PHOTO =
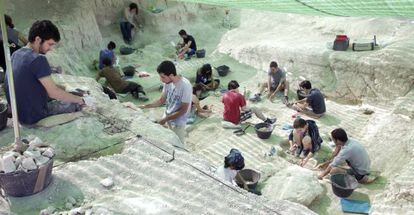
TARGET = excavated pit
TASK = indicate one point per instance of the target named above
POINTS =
(103, 143)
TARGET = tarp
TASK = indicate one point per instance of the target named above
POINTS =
(351, 8)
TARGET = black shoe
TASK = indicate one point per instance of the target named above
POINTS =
(286, 100)
(270, 121)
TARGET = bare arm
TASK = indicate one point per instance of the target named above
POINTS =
(302, 101)
(305, 160)
(325, 172)
(22, 38)
(199, 109)
(98, 76)
(269, 84)
(280, 85)
(335, 152)
(157, 103)
(55, 92)
(186, 47)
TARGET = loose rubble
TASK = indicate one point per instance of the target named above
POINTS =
(35, 156)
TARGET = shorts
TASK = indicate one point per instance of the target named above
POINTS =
(357, 176)
(245, 115)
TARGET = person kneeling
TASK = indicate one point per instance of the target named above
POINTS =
(115, 81)
(304, 139)
(354, 154)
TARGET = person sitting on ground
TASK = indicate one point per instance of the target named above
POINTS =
(234, 102)
(196, 107)
(188, 47)
(354, 154)
(205, 77)
(13, 35)
(233, 163)
(15, 39)
(32, 78)
(107, 53)
(314, 103)
(304, 139)
(276, 82)
(115, 81)
(129, 22)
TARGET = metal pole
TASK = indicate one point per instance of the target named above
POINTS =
(10, 78)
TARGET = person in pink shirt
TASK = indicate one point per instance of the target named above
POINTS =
(236, 109)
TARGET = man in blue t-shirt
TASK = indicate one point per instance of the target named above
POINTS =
(107, 53)
(313, 104)
(32, 81)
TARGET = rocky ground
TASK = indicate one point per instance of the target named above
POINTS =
(103, 143)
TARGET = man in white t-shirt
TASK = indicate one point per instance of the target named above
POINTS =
(177, 95)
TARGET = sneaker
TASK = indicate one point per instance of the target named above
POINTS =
(272, 151)
(142, 97)
(367, 179)
(270, 121)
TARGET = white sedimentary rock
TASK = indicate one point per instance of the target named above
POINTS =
(295, 184)
(7, 163)
(32, 154)
(18, 160)
(107, 182)
(41, 160)
(48, 211)
(29, 164)
(49, 153)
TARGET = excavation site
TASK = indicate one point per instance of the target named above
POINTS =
(206, 107)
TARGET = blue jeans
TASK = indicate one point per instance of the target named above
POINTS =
(126, 29)
(190, 52)
(55, 107)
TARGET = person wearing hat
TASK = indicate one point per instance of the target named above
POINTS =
(233, 163)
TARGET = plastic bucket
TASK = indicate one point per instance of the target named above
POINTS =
(223, 70)
(250, 177)
(126, 50)
(201, 53)
(21, 183)
(343, 184)
(3, 116)
(263, 130)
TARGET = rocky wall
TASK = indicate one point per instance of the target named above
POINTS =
(303, 44)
